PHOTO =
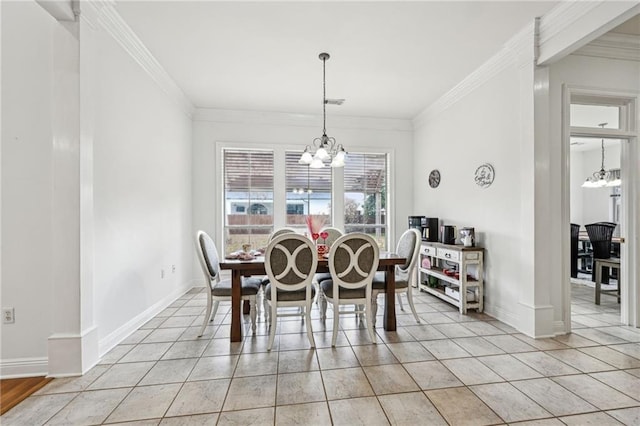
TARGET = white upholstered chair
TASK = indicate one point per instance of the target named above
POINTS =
(409, 248)
(221, 289)
(290, 261)
(353, 261)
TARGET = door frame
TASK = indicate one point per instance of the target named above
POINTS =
(630, 220)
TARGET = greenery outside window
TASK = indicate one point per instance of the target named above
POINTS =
(365, 195)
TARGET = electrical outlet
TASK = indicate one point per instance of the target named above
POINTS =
(161, 274)
(173, 269)
(8, 315)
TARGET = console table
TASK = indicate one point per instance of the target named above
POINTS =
(464, 290)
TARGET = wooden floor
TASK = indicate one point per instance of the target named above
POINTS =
(13, 391)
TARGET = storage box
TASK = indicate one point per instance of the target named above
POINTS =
(454, 292)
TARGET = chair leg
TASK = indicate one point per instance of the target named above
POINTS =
(308, 321)
(336, 316)
(207, 314)
(400, 301)
(322, 305)
(252, 313)
(413, 308)
(368, 313)
(265, 307)
(374, 308)
(274, 324)
(215, 310)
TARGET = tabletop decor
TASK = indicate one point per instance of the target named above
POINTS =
(314, 225)
(484, 175)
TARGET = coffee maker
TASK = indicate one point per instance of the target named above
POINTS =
(416, 222)
(427, 226)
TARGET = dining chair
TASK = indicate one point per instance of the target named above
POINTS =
(220, 290)
(290, 261)
(265, 280)
(601, 235)
(575, 231)
(409, 248)
(353, 261)
(280, 231)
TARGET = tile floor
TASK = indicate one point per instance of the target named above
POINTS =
(450, 369)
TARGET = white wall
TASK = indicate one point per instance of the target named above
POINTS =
(142, 192)
(26, 180)
(141, 185)
(294, 131)
(482, 127)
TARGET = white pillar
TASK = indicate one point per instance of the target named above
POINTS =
(73, 346)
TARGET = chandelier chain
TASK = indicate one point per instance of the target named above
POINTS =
(324, 97)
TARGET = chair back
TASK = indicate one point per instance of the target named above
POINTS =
(353, 261)
(409, 248)
(290, 261)
(208, 256)
(334, 234)
(281, 231)
(600, 235)
(575, 231)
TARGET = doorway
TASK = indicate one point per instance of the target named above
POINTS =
(604, 118)
(595, 197)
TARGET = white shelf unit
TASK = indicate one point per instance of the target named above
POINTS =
(466, 291)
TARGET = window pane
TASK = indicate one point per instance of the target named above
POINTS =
(248, 194)
(593, 115)
(365, 190)
(308, 191)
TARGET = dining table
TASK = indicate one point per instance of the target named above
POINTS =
(240, 268)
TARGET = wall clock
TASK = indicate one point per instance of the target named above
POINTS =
(434, 178)
(485, 175)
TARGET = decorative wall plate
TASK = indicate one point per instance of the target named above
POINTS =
(485, 175)
(434, 178)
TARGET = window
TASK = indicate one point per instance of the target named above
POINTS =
(308, 191)
(365, 190)
(251, 179)
(248, 198)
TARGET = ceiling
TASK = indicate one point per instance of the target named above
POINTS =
(388, 59)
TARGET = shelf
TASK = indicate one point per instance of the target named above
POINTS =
(439, 273)
(441, 294)
(441, 258)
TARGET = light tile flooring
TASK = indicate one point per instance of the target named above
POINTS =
(450, 369)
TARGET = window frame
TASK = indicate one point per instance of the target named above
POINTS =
(279, 197)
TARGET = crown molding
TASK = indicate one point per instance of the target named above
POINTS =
(563, 15)
(571, 25)
(613, 46)
(299, 120)
(102, 13)
(519, 50)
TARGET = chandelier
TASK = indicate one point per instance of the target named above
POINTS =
(601, 177)
(325, 147)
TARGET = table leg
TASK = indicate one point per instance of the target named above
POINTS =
(598, 271)
(390, 299)
(236, 313)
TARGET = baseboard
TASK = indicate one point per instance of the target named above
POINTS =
(559, 328)
(117, 336)
(73, 354)
(23, 367)
(502, 315)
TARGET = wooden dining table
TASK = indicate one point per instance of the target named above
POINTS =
(240, 268)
